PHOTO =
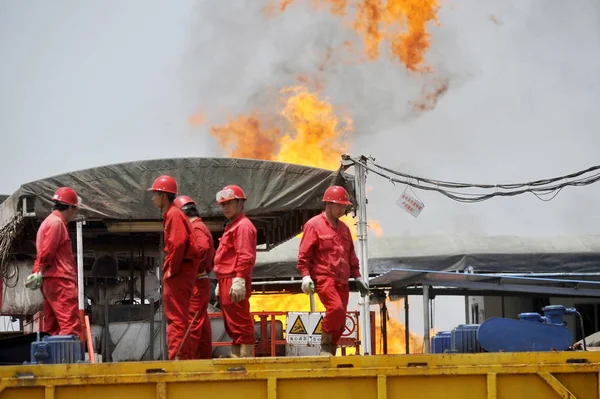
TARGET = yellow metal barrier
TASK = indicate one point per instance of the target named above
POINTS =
(573, 375)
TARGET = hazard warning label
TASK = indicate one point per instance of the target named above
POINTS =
(305, 328)
(297, 329)
(298, 326)
(319, 327)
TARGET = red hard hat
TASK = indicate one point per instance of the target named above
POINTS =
(230, 192)
(182, 201)
(337, 195)
(165, 184)
(66, 195)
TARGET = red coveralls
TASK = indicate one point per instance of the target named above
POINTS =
(181, 259)
(327, 255)
(200, 337)
(59, 287)
(235, 257)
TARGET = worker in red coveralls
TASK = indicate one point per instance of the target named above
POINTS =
(54, 269)
(200, 335)
(326, 260)
(180, 267)
(234, 264)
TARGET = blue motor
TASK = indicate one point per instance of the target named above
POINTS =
(554, 313)
(532, 332)
(57, 349)
(441, 342)
(464, 339)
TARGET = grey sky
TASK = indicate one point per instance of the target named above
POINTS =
(87, 84)
(84, 84)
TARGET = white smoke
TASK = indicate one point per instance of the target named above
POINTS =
(521, 103)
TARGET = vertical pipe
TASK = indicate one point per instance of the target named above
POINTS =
(363, 255)
(467, 309)
(79, 230)
(426, 321)
(384, 314)
(143, 263)
(313, 307)
(163, 321)
(406, 326)
(131, 272)
(80, 280)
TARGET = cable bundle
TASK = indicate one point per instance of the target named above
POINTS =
(448, 188)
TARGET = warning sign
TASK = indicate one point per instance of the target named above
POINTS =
(297, 328)
(350, 329)
(319, 327)
(305, 328)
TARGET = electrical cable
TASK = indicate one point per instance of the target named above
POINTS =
(537, 187)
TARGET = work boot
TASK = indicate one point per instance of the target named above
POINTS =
(235, 350)
(326, 346)
(247, 350)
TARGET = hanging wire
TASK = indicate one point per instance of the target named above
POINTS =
(538, 188)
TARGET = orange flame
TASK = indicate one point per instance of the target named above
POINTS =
(402, 23)
(309, 132)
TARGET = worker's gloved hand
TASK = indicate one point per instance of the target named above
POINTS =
(363, 287)
(34, 281)
(308, 287)
(217, 290)
(237, 293)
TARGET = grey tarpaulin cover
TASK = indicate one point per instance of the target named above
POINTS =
(119, 191)
(569, 254)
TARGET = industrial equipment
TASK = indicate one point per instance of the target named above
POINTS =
(531, 332)
(57, 349)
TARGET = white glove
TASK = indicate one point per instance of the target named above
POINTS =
(308, 287)
(363, 288)
(237, 293)
(217, 290)
(34, 281)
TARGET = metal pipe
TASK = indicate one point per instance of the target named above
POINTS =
(582, 331)
(384, 317)
(312, 303)
(163, 321)
(299, 282)
(131, 274)
(80, 287)
(426, 320)
(360, 178)
(467, 309)
(406, 326)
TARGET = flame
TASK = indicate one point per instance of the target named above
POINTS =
(308, 132)
(400, 23)
(248, 137)
(396, 335)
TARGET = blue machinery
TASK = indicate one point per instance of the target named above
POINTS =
(532, 332)
(57, 349)
(403, 282)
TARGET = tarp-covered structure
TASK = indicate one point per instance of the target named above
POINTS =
(485, 254)
(118, 192)
(122, 221)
